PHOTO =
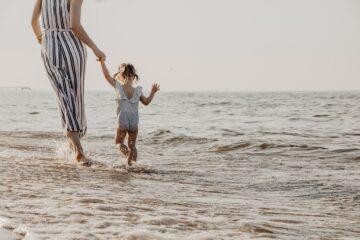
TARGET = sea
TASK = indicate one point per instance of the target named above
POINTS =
(212, 165)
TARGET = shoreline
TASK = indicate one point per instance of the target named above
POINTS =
(7, 234)
(9, 231)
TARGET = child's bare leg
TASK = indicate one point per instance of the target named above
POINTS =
(132, 145)
(119, 141)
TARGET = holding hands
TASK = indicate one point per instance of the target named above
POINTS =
(111, 79)
(101, 57)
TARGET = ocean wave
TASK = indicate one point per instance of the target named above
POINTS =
(300, 146)
(287, 134)
(142, 235)
(161, 132)
(299, 119)
(147, 235)
(34, 113)
(221, 103)
(31, 135)
(261, 146)
(255, 228)
(168, 137)
(321, 115)
(309, 118)
(231, 147)
(352, 134)
(345, 150)
(101, 137)
(29, 148)
(187, 139)
(144, 169)
(232, 133)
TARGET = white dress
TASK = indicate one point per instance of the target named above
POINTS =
(127, 109)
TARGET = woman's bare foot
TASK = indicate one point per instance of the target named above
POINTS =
(71, 146)
(74, 139)
(80, 158)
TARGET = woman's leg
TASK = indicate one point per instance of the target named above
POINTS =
(71, 146)
(119, 141)
(74, 138)
(132, 145)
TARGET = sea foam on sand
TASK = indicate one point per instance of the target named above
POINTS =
(9, 230)
(141, 235)
(5, 229)
(145, 235)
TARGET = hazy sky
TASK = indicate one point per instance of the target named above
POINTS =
(203, 44)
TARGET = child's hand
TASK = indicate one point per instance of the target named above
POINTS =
(100, 56)
(155, 88)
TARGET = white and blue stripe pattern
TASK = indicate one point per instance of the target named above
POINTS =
(64, 57)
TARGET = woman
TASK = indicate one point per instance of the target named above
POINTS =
(64, 56)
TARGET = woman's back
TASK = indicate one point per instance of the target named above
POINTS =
(55, 14)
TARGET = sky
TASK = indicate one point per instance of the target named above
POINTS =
(202, 45)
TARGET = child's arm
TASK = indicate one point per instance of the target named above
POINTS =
(107, 75)
(147, 100)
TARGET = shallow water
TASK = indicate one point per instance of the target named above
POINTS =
(211, 166)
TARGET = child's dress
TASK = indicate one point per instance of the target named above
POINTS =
(127, 109)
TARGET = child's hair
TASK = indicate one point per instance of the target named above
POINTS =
(127, 70)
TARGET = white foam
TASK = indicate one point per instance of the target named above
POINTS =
(63, 151)
(142, 235)
(21, 230)
(201, 236)
(5, 222)
(15, 229)
(14, 153)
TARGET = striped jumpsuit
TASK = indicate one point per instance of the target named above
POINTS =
(64, 57)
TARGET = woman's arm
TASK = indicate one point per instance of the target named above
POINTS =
(147, 100)
(77, 28)
(107, 75)
(35, 20)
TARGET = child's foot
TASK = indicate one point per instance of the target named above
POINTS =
(123, 149)
(129, 162)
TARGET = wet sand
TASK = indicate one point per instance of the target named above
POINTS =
(7, 235)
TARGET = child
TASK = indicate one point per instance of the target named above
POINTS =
(128, 99)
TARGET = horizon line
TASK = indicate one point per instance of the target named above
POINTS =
(26, 88)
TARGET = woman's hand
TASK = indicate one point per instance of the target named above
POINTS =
(35, 21)
(39, 39)
(99, 54)
(155, 88)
